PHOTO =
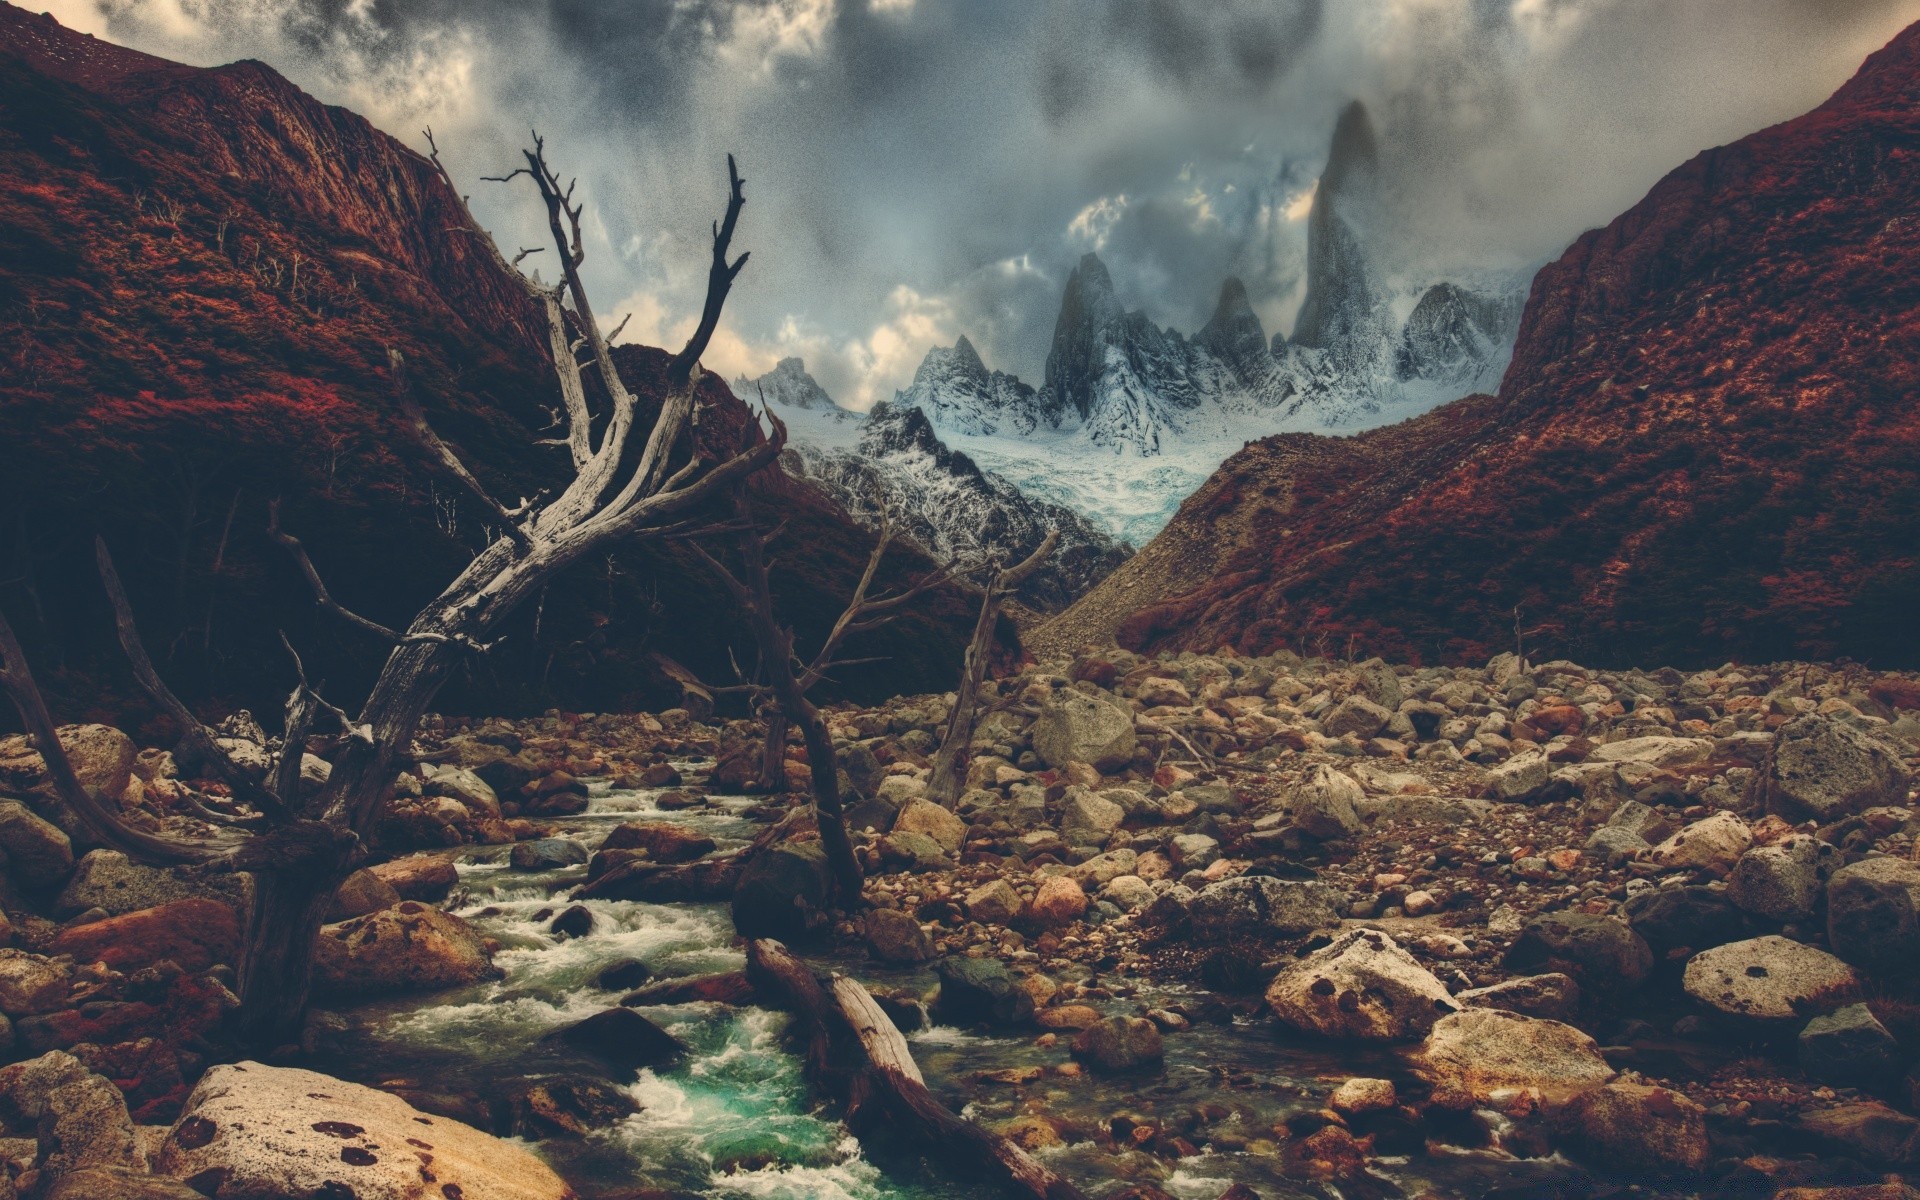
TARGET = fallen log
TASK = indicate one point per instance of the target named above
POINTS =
(855, 1050)
(723, 987)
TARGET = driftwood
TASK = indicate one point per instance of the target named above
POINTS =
(855, 1051)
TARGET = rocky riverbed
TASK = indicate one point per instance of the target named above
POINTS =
(1199, 926)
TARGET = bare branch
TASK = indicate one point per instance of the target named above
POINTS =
(92, 812)
(417, 418)
(193, 735)
(320, 593)
(720, 276)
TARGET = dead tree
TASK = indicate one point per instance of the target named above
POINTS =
(862, 614)
(950, 760)
(785, 682)
(626, 481)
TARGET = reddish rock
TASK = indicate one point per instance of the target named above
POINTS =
(663, 841)
(427, 877)
(194, 933)
(1058, 901)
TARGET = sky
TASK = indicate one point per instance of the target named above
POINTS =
(921, 169)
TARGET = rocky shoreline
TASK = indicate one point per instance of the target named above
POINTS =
(1665, 924)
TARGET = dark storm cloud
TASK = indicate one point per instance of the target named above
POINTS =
(918, 169)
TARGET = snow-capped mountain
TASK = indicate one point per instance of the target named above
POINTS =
(787, 384)
(1130, 416)
(890, 463)
(958, 391)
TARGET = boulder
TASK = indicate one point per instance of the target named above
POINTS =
(1867, 1130)
(425, 877)
(327, 1137)
(547, 854)
(1784, 880)
(362, 893)
(1158, 691)
(782, 892)
(407, 948)
(1520, 777)
(1476, 1052)
(101, 755)
(1323, 805)
(80, 1118)
(193, 933)
(1361, 986)
(1655, 751)
(1873, 914)
(38, 854)
(894, 936)
(466, 787)
(1692, 918)
(1193, 851)
(109, 880)
(1552, 996)
(1822, 768)
(980, 991)
(1078, 727)
(1262, 904)
(1128, 892)
(1638, 1130)
(1768, 978)
(1610, 844)
(1358, 716)
(1102, 867)
(914, 852)
(1058, 901)
(1088, 819)
(31, 984)
(1120, 1044)
(1849, 1048)
(1603, 954)
(622, 1037)
(664, 841)
(1359, 1096)
(575, 920)
(993, 903)
(1716, 843)
(940, 824)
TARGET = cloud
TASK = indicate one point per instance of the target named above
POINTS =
(917, 169)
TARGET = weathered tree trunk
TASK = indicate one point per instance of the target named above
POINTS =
(856, 1052)
(753, 591)
(949, 772)
(276, 967)
(773, 753)
(301, 849)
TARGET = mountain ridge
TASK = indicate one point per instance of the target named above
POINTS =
(1706, 445)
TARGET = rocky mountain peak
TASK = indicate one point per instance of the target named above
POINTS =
(1342, 311)
(966, 358)
(1353, 157)
(1234, 333)
(1073, 362)
(789, 384)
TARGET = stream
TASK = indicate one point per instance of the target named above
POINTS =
(734, 1118)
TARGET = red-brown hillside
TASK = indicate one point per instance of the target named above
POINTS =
(1707, 446)
(201, 275)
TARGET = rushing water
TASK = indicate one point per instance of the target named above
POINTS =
(734, 1118)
